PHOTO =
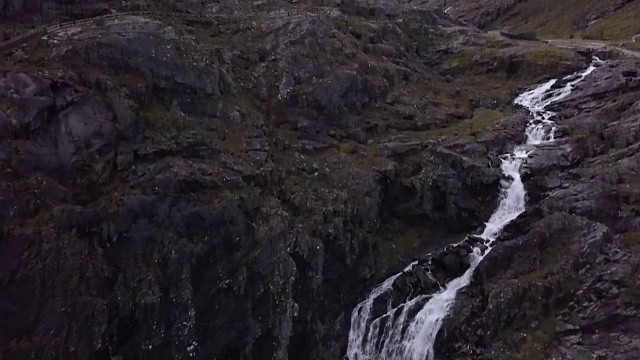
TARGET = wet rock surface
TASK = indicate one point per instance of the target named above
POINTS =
(560, 284)
(431, 273)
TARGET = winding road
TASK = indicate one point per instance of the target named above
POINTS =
(590, 44)
(575, 44)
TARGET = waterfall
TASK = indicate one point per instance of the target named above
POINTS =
(408, 331)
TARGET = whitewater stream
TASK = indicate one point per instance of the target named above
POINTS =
(408, 331)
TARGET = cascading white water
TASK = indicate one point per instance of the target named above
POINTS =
(397, 335)
(541, 128)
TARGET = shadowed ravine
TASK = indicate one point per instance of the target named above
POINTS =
(409, 330)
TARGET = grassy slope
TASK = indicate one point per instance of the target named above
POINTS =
(621, 25)
(614, 20)
(554, 18)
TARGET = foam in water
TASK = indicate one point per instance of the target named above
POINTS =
(400, 335)
(541, 128)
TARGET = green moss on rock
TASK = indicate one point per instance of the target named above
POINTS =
(631, 239)
(359, 27)
(36, 223)
(538, 343)
(347, 147)
(157, 117)
(5, 104)
(483, 120)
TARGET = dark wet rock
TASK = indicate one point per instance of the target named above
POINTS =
(545, 166)
(556, 156)
(186, 224)
(511, 133)
(398, 148)
(473, 188)
(429, 274)
(30, 97)
(608, 81)
(539, 276)
(474, 150)
(522, 224)
(346, 91)
(195, 87)
(561, 264)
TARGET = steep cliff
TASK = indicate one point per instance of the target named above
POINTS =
(230, 187)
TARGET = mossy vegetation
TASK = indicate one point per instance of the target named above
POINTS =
(5, 104)
(631, 239)
(539, 341)
(219, 31)
(245, 105)
(571, 18)
(233, 141)
(543, 56)
(621, 25)
(409, 239)
(36, 223)
(159, 118)
(546, 17)
(214, 196)
(371, 161)
(209, 196)
(37, 57)
(405, 242)
(492, 42)
(347, 147)
(358, 27)
(420, 33)
(549, 18)
(584, 140)
(40, 54)
(634, 46)
(111, 202)
(127, 79)
(509, 67)
(633, 291)
(632, 284)
(462, 58)
(483, 120)
(22, 347)
(532, 280)
(310, 225)
(534, 277)
(19, 27)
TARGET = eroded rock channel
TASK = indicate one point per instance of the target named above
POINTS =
(408, 327)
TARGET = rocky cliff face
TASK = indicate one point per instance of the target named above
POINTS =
(26, 11)
(562, 283)
(230, 188)
(54, 11)
(214, 190)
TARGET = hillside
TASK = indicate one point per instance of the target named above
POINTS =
(230, 186)
(595, 19)
(227, 180)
